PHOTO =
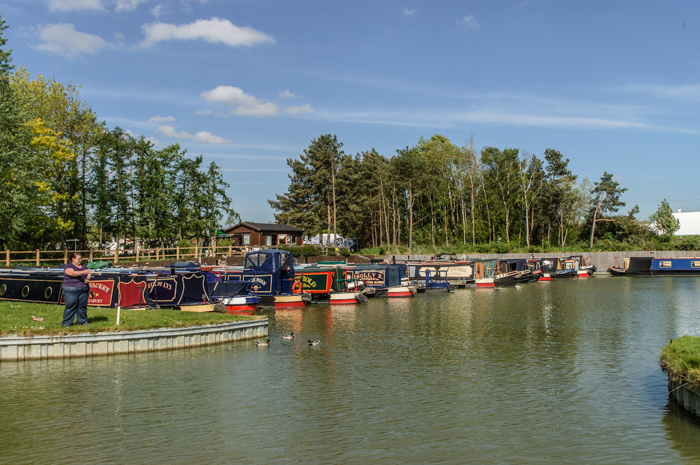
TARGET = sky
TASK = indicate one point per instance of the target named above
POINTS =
(613, 86)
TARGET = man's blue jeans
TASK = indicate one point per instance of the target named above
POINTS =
(76, 299)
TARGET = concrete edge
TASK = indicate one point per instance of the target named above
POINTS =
(109, 343)
(686, 396)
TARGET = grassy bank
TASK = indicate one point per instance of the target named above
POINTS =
(16, 318)
(681, 359)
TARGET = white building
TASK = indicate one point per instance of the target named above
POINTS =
(690, 223)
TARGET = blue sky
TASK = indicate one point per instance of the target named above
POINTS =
(614, 86)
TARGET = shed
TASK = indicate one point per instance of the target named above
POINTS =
(264, 234)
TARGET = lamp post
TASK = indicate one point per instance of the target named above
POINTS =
(500, 250)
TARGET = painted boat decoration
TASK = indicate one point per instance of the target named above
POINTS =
(330, 284)
(387, 280)
(460, 274)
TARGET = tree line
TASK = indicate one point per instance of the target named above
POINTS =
(65, 174)
(439, 195)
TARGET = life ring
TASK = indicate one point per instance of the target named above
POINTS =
(296, 288)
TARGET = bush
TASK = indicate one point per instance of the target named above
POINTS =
(382, 250)
(184, 243)
(344, 251)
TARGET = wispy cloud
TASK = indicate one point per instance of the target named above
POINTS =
(408, 12)
(245, 104)
(63, 39)
(285, 94)
(213, 30)
(469, 22)
(299, 109)
(683, 92)
(160, 119)
(127, 5)
(159, 9)
(203, 112)
(202, 136)
(75, 5)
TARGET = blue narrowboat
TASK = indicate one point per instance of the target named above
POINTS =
(675, 266)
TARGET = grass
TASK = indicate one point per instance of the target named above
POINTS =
(681, 359)
(16, 318)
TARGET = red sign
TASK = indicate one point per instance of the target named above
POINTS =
(101, 293)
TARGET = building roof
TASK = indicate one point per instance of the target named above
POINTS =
(690, 223)
(265, 227)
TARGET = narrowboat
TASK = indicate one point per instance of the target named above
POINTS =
(568, 269)
(460, 274)
(272, 278)
(107, 288)
(517, 265)
(633, 266)
(675, 266)
(436, 281)
(585, 268)
(548, 266)
(234, 294)
(533, 264)
(484, 272)
(328, 284)
(386, 279)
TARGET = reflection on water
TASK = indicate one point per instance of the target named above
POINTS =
(559, 372)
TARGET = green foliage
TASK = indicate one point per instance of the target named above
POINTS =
(664, 221)
(16, 318)
(681, 359)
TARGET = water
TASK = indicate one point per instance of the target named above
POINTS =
(560, 372)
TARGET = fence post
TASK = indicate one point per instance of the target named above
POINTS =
(157, 252)
(7, 257)
(116, 254)
(90, 254)
(177, 252)
(37, 257)
(65, 256)
(137, 254)
(196, 251)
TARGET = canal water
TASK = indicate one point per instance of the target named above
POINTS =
(559, 372)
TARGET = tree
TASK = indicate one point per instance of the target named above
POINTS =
(607, 197)
(17, 189)
(664, 221)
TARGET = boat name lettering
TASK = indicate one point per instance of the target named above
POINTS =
(100, 287)
(309, 281)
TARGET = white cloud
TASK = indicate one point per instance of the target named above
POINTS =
(209, 138)
(203, 112)
(64, 40)
(468, 22)
(300, 109)
(127, 5)
(408, 12)
(70, 5)
(160, 119)
(202, 136)
(159, 9)
(245, 104)
(683, 93)
(285, 95)
(212, 30)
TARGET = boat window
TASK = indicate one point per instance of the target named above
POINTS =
(695, 264)
(254, 260)
(284, 258)
(665, 264)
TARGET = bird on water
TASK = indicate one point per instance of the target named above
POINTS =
(288, 336)
(314, 343)
(263, 344)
